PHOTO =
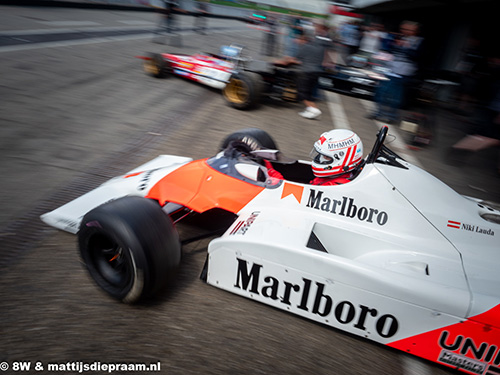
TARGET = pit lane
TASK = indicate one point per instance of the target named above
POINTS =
(76, 116)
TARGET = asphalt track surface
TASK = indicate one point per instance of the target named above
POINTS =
(78, 111)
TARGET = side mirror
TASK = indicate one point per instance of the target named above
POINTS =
(271, 155)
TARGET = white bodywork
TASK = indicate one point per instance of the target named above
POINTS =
(410, 271)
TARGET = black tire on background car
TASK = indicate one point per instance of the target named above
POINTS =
(254, 138)
(130, 247)
(244, 90)
(157, 66)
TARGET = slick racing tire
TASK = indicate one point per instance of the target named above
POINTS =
(254, 138)
(157, 66)
(244, 90)
(130, 248)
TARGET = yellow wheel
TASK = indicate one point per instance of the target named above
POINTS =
(236, 91)
(244, 89)
(157, 66)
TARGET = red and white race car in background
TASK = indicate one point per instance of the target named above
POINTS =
(244, 81)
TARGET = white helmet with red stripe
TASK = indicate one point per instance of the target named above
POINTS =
(336, 152)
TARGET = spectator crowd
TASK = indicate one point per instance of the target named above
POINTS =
(398, 54)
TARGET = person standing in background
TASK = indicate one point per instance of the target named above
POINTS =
(371, 41)
(403, 68)
(269, 45)
(295, 29)
(200, 21)
(167, 20)
(310, 57)
(350, 36)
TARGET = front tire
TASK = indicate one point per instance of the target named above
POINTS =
(244, 90)
(130, 248)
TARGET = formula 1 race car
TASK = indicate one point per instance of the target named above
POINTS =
(394, 256)
(353, 81)
(243, 81)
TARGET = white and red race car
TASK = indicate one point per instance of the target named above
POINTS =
(244, 81)
(394, 256)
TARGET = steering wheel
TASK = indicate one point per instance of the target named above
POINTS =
(377, 147)
(382, 154)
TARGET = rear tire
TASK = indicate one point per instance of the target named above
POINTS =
(254, 138)
(157, 66)
(130, 248)
(244, 90)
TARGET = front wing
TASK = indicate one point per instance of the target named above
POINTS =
(136, 182)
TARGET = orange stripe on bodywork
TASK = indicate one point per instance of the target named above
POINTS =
(132, 174)
(477, 338)
(199, 187)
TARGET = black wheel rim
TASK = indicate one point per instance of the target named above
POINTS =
(111, 261)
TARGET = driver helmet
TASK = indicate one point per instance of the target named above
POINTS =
(336, 152)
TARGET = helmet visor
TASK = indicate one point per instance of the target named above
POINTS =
(319, 158)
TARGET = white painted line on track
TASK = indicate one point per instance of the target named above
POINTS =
(336, 107)
(398, 145)
(69, 30)
(69, 43)
(137, 22)
(79, 42)
(68, 23)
